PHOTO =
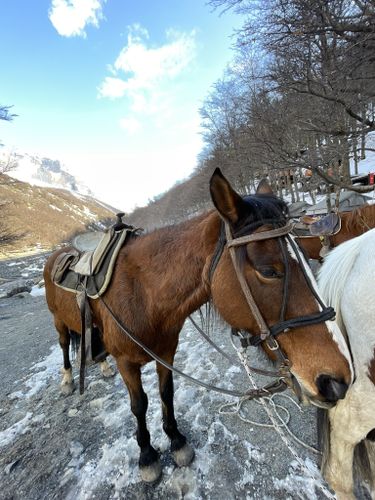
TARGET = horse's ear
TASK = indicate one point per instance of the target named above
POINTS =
(264, 187)
(229, 204)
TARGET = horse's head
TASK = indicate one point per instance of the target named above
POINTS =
(278, 292)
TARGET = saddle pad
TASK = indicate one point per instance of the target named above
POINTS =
(87, 242)
(326, 226)
(101, 261)
(90, 260)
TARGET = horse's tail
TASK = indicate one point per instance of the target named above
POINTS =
(75, 341)
(324, 432)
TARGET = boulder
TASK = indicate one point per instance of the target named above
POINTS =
(13, 287)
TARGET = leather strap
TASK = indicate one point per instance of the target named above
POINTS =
(263, 235)
(263, 328)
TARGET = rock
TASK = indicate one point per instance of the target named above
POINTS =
(76, 449)
(14, 287)
(39, 283)
(8, 468)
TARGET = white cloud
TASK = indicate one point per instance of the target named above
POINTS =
(131, 125)
(70, 17)
(142, 72)
(113, 87)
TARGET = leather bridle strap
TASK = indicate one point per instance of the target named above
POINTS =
(264, 331)
(263, 235)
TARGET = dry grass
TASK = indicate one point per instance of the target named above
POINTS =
(44, 217)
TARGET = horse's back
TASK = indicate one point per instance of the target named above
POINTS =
(61, 303)
(358, 298)
(347, 280)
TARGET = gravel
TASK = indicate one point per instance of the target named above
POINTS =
(84, 447)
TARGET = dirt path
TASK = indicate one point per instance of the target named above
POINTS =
(83, 447)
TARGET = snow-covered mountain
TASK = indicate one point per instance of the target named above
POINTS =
(44, 172)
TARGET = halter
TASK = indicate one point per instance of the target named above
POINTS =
(267, 334)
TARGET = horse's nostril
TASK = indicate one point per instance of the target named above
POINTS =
(332, 389)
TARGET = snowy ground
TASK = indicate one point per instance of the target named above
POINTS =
(83, 447)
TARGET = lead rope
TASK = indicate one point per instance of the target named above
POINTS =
(280, 426)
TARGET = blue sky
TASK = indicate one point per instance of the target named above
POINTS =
(112, 88)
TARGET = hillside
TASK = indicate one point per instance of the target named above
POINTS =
(45, 217)
(41, 171)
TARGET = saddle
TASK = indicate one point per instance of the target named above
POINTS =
(93, 268)
(326, 226)
(318, 226)
(86, 270)
(323, 228)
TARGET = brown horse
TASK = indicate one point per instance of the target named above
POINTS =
(353, 224)
(162, 277)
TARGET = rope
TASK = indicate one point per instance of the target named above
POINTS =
(277, 422)
(237, 406)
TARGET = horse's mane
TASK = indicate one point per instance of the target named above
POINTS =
(359, 219)
(262, 209)
(334, 273)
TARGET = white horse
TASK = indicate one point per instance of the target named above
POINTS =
(347, 282)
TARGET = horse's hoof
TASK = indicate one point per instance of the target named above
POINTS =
(184, 456)
(67, 389)
(107, 370)
(150, 473)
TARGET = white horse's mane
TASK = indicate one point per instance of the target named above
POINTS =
(335, 271)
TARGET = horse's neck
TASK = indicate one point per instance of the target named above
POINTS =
(175, 260)
(358, 222)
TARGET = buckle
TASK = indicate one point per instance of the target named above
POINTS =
(272, 344)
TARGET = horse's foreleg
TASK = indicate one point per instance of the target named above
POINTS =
(370, 446)
(182, 452)
(351, 420)
(149, 464)
(347, 429)
(339, 467)
(67, 383)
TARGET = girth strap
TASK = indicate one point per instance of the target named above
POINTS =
(86, 333)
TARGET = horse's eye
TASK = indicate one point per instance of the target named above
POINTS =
(269, 272)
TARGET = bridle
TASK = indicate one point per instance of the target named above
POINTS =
(267, 334)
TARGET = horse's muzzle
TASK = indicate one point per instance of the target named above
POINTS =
(331, 388)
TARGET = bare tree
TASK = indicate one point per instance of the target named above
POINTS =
(7, 236)
(324, 53)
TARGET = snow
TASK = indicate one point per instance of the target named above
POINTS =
(44, 370)
(55, 208)
(36, 291)
(115, 462)
(368, 164)
(87, 212)
(12, 432)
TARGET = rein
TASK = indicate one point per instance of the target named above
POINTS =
(266, 334)
(277, 386)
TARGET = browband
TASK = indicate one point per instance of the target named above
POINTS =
(263, 235)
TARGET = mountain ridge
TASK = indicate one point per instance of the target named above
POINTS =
(43, 218)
